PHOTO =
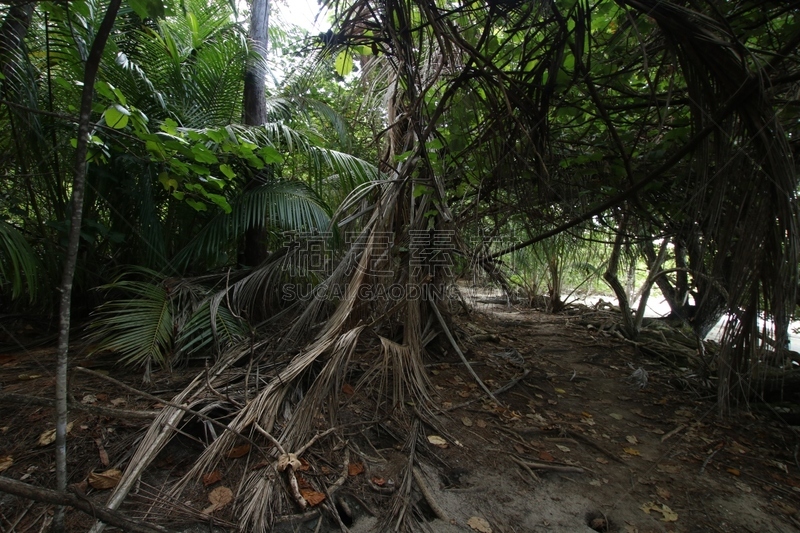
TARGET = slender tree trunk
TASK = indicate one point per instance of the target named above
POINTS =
(255, 114)
(78, 188)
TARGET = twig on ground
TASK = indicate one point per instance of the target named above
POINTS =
(577, 436)
(298, 518)
(526, 468)
(343, 477)
(551, 467)
(511, 384)
(114, 518)
(24, 399)
(673, 432)
(426, 493)
(455, 346)
(708, 459)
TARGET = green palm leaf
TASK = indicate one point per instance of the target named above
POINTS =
(19, 265)
(281, 205)
(140, 329)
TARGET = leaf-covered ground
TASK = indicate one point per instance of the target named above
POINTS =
(576, 444)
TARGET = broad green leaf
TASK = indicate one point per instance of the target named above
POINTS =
(117, 116)
(221, 201)
(270, 155)
(170, 184)
(227, 170)
(197, 206)
(421, 190)
(203, 154)
(105, 89)
(169, 126)
(344, 63)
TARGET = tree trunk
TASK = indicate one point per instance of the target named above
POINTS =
(610, 276)
(71, 258)
(255, 114)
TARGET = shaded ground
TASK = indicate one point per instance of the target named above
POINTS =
(573, 405)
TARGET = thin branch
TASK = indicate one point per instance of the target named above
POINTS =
(113, 518)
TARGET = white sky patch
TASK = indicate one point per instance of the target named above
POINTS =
(302, 13)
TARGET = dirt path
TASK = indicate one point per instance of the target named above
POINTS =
(650, 459)
(650, 447)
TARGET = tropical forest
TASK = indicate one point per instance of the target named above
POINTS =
(354, 265)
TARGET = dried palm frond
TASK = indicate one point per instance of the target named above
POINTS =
(164, 427)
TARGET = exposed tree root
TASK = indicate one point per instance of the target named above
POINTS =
(428, 495)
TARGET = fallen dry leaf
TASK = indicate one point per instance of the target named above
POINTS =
(602, 461)
(467, 421)
(5, 462)
(479, 524)
(261, 464)
(89, 398)
(631, 451)
(354, 469)
(101, 451)
(348, 389)
(313, 497)
(668, 515)
(239, 451)
(211, 477)
(562, 448)
(49, 436)
(669, 469)
(218, 498)
(436, 440)
(379, 481)
(105, 480)
(481, 423)
(546, 456)
(743, 487)
(782, 466)
(632, 439)
(81, 487)
(785, 508)
(304, 466)
(118, 401)
(734, 471)
(664, 494)
(615, 416)
(560, 391)
(738, 448)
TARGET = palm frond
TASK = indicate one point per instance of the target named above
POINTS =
(19, 265)
(140, 329)
(281, 205)
(205, 329)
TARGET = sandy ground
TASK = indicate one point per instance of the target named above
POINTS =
(651, 459)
